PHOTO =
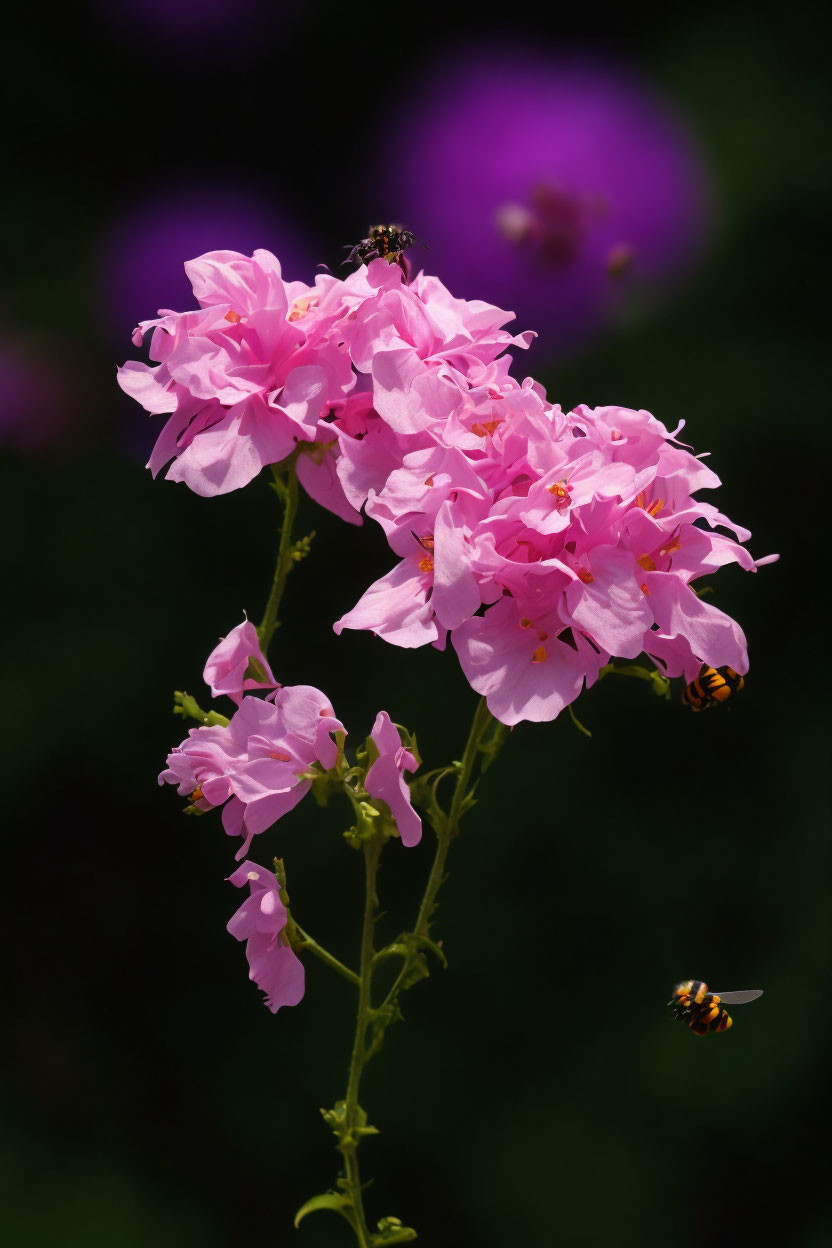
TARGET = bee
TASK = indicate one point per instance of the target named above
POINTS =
(700, 1009)
(712, 685)
(386, 242)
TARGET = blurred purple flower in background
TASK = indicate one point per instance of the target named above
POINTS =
(39, 391)
(561, 189)
(141, 265)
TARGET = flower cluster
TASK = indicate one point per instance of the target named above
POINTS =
(548, 542)
(257, 767)
(544, 542)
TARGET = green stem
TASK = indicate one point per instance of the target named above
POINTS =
(353, 1116)
(189, 708)
(446, 827)
(325, 956)
(449, 825)
(286, 482)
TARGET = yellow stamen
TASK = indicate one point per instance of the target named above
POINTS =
(300, 307)
(559, 489)
(654, 508)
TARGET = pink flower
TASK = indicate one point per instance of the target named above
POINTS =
(261, 919)
(421, 345)
(238, 664)
(543, 542)
(385, 778)
(527, 667)
(255, 767)
(547, 542)
(245, 381)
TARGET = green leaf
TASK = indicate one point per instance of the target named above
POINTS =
(336, 1120)
(417, 969)
(392, 1231)
(333, 1201)
(491, 747)
(416, 943)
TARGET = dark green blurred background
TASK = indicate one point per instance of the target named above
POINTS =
(538, 1093)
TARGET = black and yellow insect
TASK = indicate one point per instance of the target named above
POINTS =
(712, 685)
(702, 1010)
(386, 242)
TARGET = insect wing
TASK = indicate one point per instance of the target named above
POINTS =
(739, 998)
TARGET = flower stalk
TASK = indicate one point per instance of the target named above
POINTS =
(550, 547)
(411, 947)
(287, 489)
(304, 941)
(354, 1118)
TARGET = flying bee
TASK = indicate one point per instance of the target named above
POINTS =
(700, 1009)
(386, 242)
(712, 685)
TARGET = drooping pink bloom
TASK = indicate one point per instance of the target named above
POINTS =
(256, 767)
(385, 778)
(260, 921)
(238, 664)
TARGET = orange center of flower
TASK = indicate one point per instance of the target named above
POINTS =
(429, 481)
(645, 562)
(586, 576)
(485, 428)
(654, 508)
(426, 564)
(197, 794)
(232, 316)
(300, 307)
(539, 654)
(560, 492)
(281, 756)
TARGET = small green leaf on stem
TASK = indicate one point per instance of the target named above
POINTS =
(392, 1231)
(336, 1120)
(332, 1201)
(660, 683)
(189, 708)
